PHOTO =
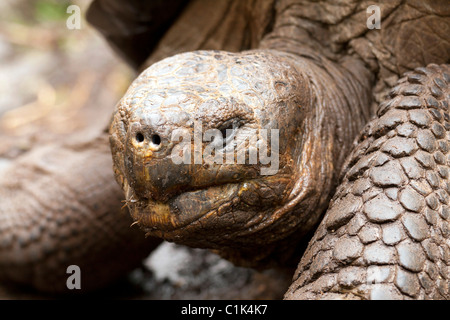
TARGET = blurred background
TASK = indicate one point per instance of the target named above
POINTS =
(57, 83)
(54, 81)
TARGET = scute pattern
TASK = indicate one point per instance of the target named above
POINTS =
(386, 233)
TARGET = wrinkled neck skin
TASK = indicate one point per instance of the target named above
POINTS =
(249, 219)
(339, 106)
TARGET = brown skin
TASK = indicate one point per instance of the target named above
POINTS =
(59, 208)
(327, 37)
(385, 234)
(232, 208)
(282, 226)
(115, 247)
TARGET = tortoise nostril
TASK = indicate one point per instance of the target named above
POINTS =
(139, 137)
(156, 139)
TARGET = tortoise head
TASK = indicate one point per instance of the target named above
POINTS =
(216, 150)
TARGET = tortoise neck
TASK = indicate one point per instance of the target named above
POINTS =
(341, 95)
(294, 33)
(291, 32)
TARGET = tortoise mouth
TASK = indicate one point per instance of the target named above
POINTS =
(212, 216)
(184, 209)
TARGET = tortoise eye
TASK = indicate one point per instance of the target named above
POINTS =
(224, 132)
(228, 133)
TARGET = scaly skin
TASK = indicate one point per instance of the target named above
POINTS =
(47, 226)
(316, 105)
(413, 34)
(386, 233)
(298, 34)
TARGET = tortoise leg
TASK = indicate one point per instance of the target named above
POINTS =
(386, 232)
(60, 206)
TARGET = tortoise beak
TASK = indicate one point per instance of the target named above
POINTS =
(148, 163)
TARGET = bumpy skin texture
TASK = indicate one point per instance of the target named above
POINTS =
(324, 33)
(233, 208)
(412, 34)
(34, 236)
(386, 233)
(320, 35)
(60, 206)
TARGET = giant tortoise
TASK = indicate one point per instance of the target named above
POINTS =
(267, 131)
